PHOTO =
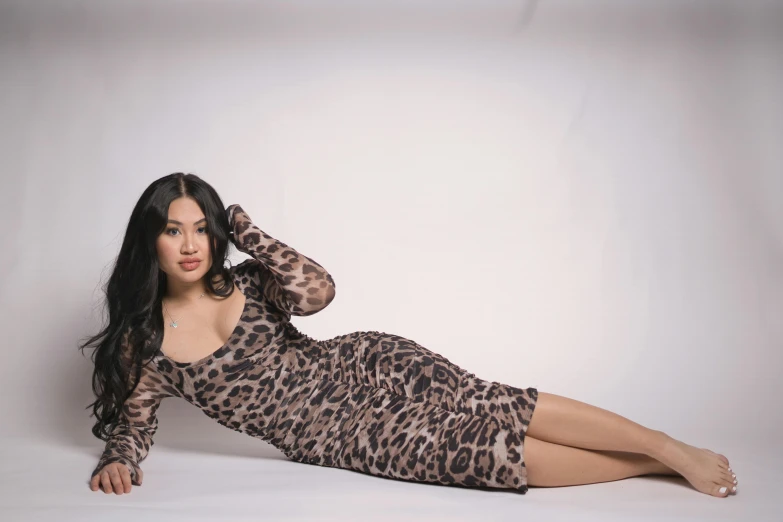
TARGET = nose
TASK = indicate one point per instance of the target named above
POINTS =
(188, 245)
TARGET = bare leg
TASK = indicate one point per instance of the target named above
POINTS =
(561, 420)
(564, 421)
(554, 465)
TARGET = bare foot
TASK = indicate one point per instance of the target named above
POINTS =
(706, 470)
(659, 468)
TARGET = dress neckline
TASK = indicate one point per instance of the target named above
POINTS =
(234, 333)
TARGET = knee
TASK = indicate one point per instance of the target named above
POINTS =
(533, 454)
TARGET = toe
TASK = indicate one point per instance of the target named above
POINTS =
(724, 459)
(719, 490)
(731, 488)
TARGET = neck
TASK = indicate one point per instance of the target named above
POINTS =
(184, 292)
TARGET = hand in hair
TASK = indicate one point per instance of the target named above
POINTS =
(240, 222)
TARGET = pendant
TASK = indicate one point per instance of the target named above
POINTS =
(174, 325)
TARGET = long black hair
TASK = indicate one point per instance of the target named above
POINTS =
(134, 292)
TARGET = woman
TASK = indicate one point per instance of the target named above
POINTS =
(183, 325)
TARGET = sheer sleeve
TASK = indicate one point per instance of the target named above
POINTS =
(293, 282)
(132, 436)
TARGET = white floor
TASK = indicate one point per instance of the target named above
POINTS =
(248, 479)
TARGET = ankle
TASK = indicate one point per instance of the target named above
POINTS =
(657, 444)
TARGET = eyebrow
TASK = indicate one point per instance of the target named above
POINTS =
(179, 223)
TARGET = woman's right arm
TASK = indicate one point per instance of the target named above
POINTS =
(129, 444)
(131, 438)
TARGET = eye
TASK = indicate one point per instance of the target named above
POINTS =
(204, 229)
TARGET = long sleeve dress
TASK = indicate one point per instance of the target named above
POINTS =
(367, 401)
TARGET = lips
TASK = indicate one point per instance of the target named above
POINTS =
(190, 265)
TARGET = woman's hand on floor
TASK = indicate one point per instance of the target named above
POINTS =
(115, 477)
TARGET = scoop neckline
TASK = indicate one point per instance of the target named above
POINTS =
(230, 337)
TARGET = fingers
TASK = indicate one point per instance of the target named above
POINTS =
(234, 211)
(230, 211)
(105, 481)
(126, 479)
(116, 479)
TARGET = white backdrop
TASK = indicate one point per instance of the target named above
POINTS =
(584, 197)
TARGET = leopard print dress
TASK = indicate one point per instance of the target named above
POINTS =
(367, 401)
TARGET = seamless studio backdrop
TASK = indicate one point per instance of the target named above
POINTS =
(582, 197)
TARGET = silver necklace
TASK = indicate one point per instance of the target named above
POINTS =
(173, 322)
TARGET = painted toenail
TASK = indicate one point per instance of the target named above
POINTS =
(733, 475)
(734, 488)
(735, 481)
(722, 490)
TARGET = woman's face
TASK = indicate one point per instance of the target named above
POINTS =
(185, 237)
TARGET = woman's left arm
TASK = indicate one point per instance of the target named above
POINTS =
(298, 285)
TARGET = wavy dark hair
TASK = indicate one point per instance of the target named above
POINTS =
(135, 290)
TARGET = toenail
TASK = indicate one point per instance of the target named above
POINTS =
(734, 488)
(722, 490)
